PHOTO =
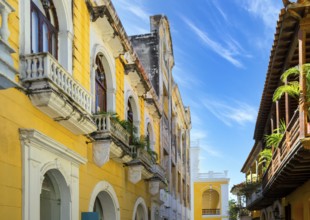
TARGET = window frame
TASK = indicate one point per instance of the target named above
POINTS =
(51, 29)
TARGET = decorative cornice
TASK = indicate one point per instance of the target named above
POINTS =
(96, 11)
(34, 138)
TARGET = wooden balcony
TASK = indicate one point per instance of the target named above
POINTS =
(111, 141)
(290, 163)
(256, 201)
(53, 90)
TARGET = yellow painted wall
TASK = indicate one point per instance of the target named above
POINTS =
(300, 202)
(81, 40)
(14, 31)
(198, 189)
(120, 89)
(18, 112)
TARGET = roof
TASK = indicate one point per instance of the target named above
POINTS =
(284, 54)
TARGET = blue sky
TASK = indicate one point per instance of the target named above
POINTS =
(221, 50)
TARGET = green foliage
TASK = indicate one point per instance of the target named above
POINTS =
(275, 138)
(265, 157)
(247, 188)
(233, 209)
(292, 88)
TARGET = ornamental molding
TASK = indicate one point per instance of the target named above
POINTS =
(34, 138)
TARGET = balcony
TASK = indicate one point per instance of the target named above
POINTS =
(53, 91)
(211, 212)
(158, 180)
(289, 167)
(111, 141)
(144, 166)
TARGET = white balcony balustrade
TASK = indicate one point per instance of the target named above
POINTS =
(111, 141)
(7, 70)
(54, 91)
(43, 66)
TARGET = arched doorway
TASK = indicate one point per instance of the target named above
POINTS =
(104, 202)
(104, 206)
(54, 197)
(140, 210)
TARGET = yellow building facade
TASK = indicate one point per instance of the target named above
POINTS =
(209, 191)
(81, 120)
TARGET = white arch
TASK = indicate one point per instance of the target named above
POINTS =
(56, 165)
(140, 201)
(63, 191)
(109, 67)
(104, 186)
(134, 101)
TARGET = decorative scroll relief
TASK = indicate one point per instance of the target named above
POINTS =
(135, 173)
(154, 187)
(101, 152)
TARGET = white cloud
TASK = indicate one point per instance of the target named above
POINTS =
(222, 13)
(211, 151)
(234, 112)
(180, 75)
(264, 9)
(228, 54)
(198, 134)
(134, 16)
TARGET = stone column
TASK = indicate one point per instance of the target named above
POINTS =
(224, 208)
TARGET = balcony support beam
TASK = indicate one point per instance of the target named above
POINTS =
(302, 81)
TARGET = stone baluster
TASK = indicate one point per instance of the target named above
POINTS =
(5, 10)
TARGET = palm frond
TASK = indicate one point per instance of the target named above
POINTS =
(275, 138)
(292, 89)
(294, 71)
(265, 155)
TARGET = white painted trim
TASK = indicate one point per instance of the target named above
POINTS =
(148, 120)
(134, 101)
(140, 201)
(104, 186)
(110, 71)
(32, 136)
(39, 155)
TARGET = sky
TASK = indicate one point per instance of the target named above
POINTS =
(221, 50)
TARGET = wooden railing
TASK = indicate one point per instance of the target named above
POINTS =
(288, 141)
(43, 66)
(211, 211)
(111, 127)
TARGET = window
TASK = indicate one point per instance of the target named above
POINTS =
(100, 86)
(129, 112)
(44, 27)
